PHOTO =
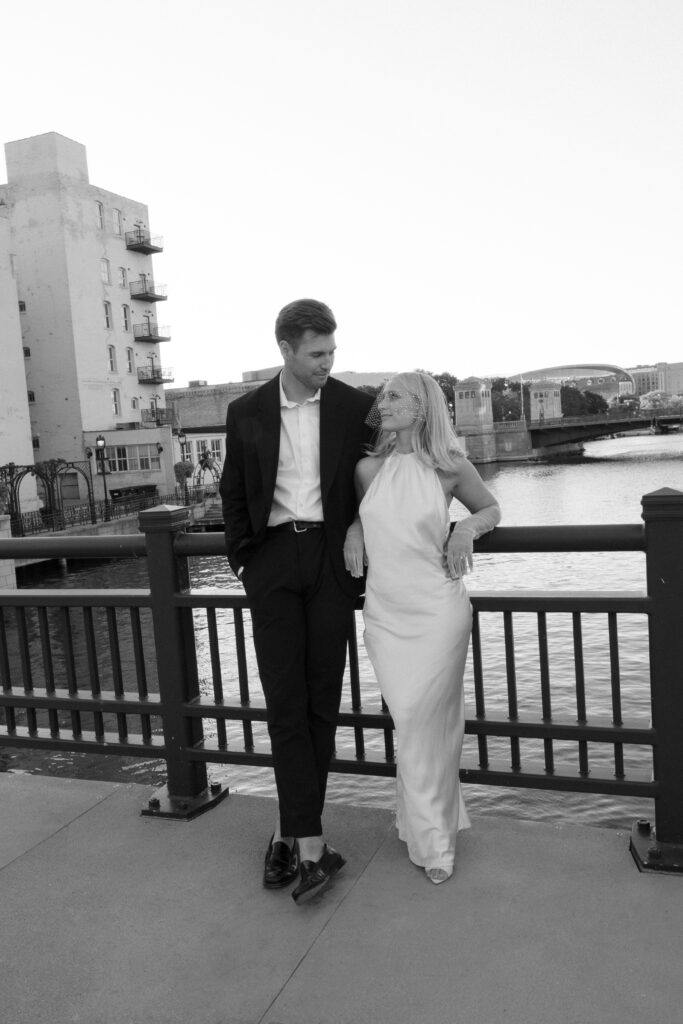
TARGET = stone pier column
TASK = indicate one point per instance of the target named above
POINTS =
(8, 578)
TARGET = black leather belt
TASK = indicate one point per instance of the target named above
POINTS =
(296, 526)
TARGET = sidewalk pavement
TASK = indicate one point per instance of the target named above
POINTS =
(113, 918)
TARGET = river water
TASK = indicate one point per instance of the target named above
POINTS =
(605, 485)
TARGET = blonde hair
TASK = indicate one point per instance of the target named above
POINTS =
(434, 438)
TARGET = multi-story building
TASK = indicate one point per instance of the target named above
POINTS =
(199, 410)
(87, 301)
(666, 377)
(16, 445)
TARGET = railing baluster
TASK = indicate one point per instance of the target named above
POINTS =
(70, 667)
(216, 676)
(389, 748)
(615, 679)
(545, 688)
(479, 699)
(116, 669)
(26, 668)
(579, 677)
(354, 679)
(93, 668)
(48, 668)
(5, 673)
(140, 671)
(511, 673)
(243, 676)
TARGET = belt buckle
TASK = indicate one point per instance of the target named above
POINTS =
(296, 528)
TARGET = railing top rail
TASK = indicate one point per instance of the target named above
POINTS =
(68, 546)
(114, 598)
(504, 539)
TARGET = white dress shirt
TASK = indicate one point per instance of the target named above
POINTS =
(297, 487)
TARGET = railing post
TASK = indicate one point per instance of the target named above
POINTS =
(663, 516)
(186, 793)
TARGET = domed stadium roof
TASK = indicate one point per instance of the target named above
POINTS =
(574, 370)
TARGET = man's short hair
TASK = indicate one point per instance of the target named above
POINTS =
(303, 315)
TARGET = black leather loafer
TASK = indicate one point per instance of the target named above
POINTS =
(315, 875)
(281, 865)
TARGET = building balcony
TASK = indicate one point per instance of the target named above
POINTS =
(147, 291)
(157, 418)
(151, 332)
(140, 240)
(155, 375)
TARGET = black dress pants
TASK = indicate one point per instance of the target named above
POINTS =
(301, 621)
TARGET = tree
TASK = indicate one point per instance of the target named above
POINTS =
(654, 400)
(593, 404)
(505, 400)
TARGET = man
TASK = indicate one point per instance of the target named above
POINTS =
(288, 500)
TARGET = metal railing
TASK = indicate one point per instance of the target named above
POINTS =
(157, 417)
(147, 290)
(118, 671)
(151, 332)
(143, 241)
(30, 524)
(155, 374)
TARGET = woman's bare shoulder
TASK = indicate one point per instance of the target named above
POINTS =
(368, 468)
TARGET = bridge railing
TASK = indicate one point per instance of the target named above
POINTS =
(166, 671)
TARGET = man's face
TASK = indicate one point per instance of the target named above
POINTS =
(311, 363)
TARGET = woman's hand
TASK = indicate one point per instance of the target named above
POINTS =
(354, 550)
(458, 553)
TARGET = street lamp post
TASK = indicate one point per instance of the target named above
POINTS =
(182, 438)
(100, 446)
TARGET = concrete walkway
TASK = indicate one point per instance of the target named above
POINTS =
(108, 917)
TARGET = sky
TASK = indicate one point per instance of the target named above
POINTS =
(482, 187)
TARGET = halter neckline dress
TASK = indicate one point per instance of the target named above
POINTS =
(417, 629)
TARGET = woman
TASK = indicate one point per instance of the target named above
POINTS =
(417, 613)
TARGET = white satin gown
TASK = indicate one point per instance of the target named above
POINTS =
(417, 628)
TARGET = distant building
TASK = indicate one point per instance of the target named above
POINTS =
(666, 377)
(82, 261)
(16, 443)
(200, 409)
(472, 400)
(545, 401)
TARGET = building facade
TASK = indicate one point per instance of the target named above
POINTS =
(666, 377)
(87, 297)
(16, 444)
(545, 401)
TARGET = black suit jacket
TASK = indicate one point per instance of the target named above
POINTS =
(250, 468)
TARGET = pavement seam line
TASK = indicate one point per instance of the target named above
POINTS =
(324, 927)
(61, 828)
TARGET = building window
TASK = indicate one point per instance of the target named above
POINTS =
(130, 360)
(104, 271)
(134, 404)
(107, 315)
(134, 458)
(22, 306)
(31, 396)
(99, 214)
(111, 358)
(125, 317)
(214, 446)
(116, 220)
(123, 277)
(27, 352)
(35, 441)
(116, 401)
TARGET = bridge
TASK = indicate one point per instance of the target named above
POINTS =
(575, 429)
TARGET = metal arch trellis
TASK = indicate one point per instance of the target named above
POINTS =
(51, 473)
(207, 464)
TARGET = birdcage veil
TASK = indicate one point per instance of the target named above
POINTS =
(434, 438)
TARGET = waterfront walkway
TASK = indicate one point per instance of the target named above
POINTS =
(113, 918)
